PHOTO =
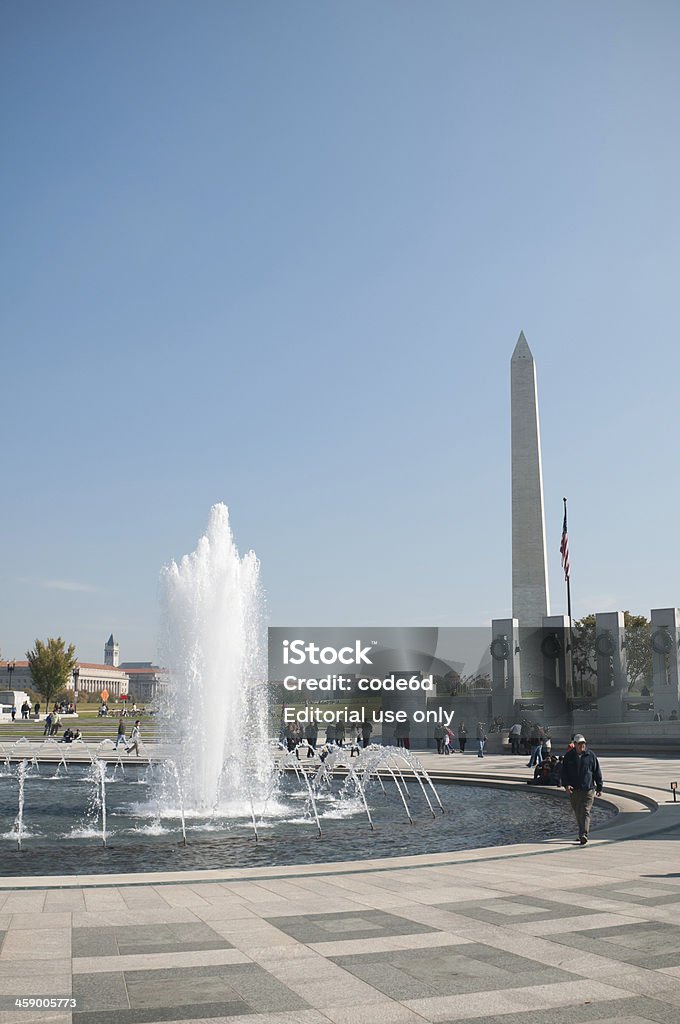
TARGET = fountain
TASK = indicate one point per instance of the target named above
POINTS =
(212, 647)
(222, 798)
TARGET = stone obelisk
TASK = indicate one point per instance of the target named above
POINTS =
(529, 560)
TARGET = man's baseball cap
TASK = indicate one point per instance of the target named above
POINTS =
(578, 738)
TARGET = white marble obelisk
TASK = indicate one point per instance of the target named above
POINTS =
(530, 601)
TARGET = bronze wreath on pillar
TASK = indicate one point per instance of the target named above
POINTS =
(662, 641)
(551, 646)
(500, 649)
(605, 645)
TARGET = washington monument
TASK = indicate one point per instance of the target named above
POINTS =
(529, 561)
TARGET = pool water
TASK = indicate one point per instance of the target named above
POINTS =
(62, 825)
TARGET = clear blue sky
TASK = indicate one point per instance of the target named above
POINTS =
(279, 254)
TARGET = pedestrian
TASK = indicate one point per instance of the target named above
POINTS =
(311, 735)
(462, 737)
(446, 743)
(340, 733)
(37, 710)
(582, 779)
(135, 740)
(481, 739)
(440, 737)
(14, 711)
(513, 736)
(536, 742)
(120, 738)
(366, 730)
(56, 719)
(48, 724)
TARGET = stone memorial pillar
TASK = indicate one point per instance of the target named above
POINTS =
(665, 637)
(557, 671)
(505, 679)
(612, 674)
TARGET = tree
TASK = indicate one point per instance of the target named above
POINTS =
(51, 666)
(638, 650)
(584, 658)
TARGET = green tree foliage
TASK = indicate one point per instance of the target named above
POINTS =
(583, 656)
(51, 666)
(638, 652)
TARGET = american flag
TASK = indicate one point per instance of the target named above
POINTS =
(564, 546)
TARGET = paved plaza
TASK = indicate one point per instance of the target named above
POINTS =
(548, 932)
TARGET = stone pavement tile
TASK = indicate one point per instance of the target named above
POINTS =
(36, 944)
(150, 961)
(257, 943)
(389, 942)
(392, 982)
(387, 1012)
(290, 954)
(144, 939)
(592, 922)
(213, 1013)
(101, 992)
(124, 916)
(34, 968)
(206, 890)
(223, 910)
(24, 902)
(140, 893)
(248, 891)
(616, 1011)
(36, 985)
(644, 944)
(92, 942)
(645, 983)
(283, 888)
(411, 974)
(379, 901)
(34, 1017)
(362, 924)
(285, 1017)
(166, 938)
(288, 908)
(246, 985)
(45, 920)
(103, 900)
(486, 1004)
(64, 899)
(261, 991)
(349, 990)
(181, 896)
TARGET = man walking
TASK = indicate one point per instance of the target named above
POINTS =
(481, 738)
(134, 739)
(120, 737)
(582, 779)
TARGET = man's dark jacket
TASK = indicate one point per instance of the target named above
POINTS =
(581, 771)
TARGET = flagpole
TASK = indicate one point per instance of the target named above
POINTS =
(564, 551)
(567, 574)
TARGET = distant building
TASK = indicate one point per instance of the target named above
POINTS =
(92, 678)
(147, 681)
(112, 652)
